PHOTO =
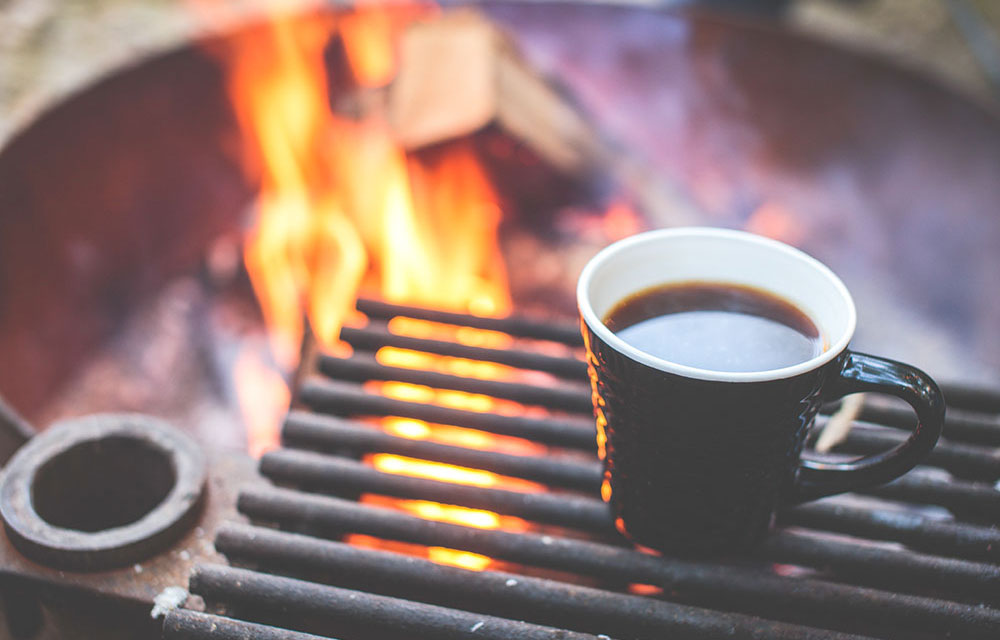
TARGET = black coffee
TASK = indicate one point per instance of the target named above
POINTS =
(716, 326)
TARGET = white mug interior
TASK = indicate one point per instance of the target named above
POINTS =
(716, 255)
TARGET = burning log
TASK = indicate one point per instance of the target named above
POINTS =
(460, 76)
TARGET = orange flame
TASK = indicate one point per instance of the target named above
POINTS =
(304, 255)
(341, 205)
(339, 200)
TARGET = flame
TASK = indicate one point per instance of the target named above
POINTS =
(342, 206)
(263, 397)
(304, 255)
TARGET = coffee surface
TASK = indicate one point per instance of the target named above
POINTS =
(716, 326)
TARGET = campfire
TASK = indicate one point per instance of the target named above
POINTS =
(385, 303)
(374, 139)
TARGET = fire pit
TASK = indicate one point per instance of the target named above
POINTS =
(529, 539)
(196, 249)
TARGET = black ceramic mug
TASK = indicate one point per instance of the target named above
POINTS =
(698, 459)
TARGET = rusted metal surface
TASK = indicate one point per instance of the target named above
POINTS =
(512, 595)
(117, 603)
(14, 431)
(102, 491)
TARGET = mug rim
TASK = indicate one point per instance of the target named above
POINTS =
(595, 324)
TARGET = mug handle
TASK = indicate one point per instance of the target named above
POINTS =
(860, 372)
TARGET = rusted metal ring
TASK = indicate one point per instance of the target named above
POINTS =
(101, 491)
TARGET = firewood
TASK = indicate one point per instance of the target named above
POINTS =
(459, 75)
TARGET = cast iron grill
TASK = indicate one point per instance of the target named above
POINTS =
(918, 558)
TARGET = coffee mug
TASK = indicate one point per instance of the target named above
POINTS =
(699, 459)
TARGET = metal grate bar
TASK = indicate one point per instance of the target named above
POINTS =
(333, 474)
(972, 429)
(377, 335)
(963, 460)
(973, 398)
(944, 538)
(511, 325)
(181, 624)
(848, 564)
(258, 591)
(717, 586)
(970, 499)
(876, 565)
(362, 367)
(323, 433)
(536, 600)
(341, 399)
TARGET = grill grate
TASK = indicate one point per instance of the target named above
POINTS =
(918, 558)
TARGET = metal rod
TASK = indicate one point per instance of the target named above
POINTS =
(334, 474)
(362, 367)
(963, 460)
(258, 591)
(182, 624)
(324, 433)
(919, 532)
(376, 335)
(971, 397)
(535, 600)
(556, 331)
(975, 500)
(717, 586)
(959, 395)
(345, 400)
(970, 429)
(896, 569)
(304, 430)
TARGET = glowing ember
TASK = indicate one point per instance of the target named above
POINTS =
(464, 559)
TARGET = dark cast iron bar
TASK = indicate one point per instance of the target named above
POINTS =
(967, 541)
(957, 395)
(182, 624)
(346, 399)
(896, 569)
(329, 434)
(716, 586)
(362, 367)
(971, 397)
(958, 427)
(536, 600)
(304, 430)
(963, 460)
(974, 499)
(512, 325)
(381, 614)
(377, 335)
(334, 474)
